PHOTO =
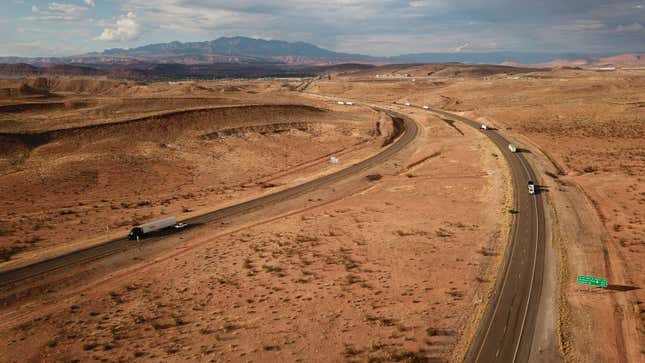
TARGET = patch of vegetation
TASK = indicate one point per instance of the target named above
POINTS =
(7, 252)
(440, 232)
(439, 332)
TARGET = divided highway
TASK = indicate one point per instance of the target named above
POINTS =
(409, 131)
(506, 331)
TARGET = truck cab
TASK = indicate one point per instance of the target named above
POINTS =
(135, 233)
(531, 187)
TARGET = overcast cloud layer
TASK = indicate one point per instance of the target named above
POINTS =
(390, 27)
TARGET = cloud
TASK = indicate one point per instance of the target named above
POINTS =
(385, 27)
(582, 25)
(58, 12)
(126, 29)
(461, 47)
(634, 27)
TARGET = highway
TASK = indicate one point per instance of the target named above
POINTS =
(409, 131)
(506, 331)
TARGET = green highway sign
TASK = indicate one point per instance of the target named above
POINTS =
(593, 281)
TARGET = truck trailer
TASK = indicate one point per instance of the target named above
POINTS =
(143, 229)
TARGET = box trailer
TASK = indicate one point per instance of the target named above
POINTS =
(143, 229)
(512, 147)
(426, 107)
(340, 102)
(407, 103)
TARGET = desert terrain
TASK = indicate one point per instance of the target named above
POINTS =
(395, 263)
(585, 131)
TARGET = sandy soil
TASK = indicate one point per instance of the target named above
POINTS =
(93, 182)
(390, 270)
(586, 131)
(37, 104)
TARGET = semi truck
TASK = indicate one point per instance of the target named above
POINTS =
(512, 147)
(143, 229)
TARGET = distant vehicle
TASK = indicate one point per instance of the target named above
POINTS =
(512, 147)
(349, 103)
(484, 127)
(531, 187)
(407, 103)
(340, 102)
(143, 229)
(426, 107)
(181, 225)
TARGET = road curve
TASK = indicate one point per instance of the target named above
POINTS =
(506, 331)
(409, 133)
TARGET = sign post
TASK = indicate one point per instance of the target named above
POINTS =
(592, 281)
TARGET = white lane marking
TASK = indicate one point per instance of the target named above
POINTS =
(517, 201)
(537, 238)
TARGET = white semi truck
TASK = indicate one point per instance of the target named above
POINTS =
(512, 147)
(143, 229)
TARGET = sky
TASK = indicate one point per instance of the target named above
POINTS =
(33, 28)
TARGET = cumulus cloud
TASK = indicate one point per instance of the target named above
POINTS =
(385, 27)
(126, 28)
(409, 25)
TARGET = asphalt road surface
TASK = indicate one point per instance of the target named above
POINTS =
(409, 132)
(506, 331)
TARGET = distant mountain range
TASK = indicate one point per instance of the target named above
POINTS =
(238, 47)
(249, 51)
(248, 57)
(235, 50)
